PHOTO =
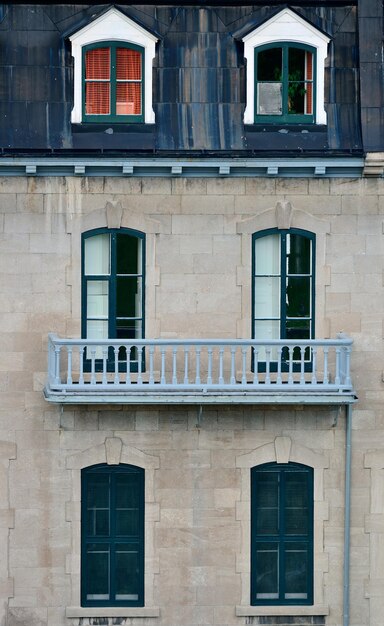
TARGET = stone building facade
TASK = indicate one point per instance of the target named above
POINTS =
(199, 444)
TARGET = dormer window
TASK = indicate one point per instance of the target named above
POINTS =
(285, 71)
(113, 71)
(113, 82)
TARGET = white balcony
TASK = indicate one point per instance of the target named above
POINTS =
(199, 371)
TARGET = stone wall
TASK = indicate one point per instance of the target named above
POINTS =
(198, 280)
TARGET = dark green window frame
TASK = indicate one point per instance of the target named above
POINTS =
(289, 289)
(119, 327)
(281, 534)
(112, 536)
(288, 85)
(113, 117)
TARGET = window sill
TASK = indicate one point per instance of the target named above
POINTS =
(295, 127)
(112, 611)
(297, 611)
(112, 127)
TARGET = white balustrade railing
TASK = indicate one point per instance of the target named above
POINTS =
(198, 365)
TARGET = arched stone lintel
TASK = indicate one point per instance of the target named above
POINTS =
(283, 216)
(282, 450)
(113, 451)
(113, 215)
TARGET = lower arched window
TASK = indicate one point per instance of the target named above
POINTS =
(112, 536)
(281, 534)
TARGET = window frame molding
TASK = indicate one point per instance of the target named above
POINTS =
(113, 216)
(112, 452)
(286, 27)
(282, 216)
(282, 449)
(113, 26)
(113, 117)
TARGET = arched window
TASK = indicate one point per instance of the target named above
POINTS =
(113, 82)
(285, 83)
(283, 285)
(113, 264)
(112, 535)
(281, 534)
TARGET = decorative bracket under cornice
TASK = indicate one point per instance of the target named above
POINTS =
(374, 164)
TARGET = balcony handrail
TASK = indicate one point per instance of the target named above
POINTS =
(199, 365)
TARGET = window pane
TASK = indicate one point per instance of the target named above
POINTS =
(267, 297)
(267, 255)
(267, 504)
(128, 490)
(269, 99)
(267, 567)
(97, 329)
(298, 296)
(296, 571)
(128, 296)
(97, 87)
(97, 298)
(296, 84)
(267, 329)
(264, 331)
(97, 98)
(296, 64)
(97, 572)
(98, 506)
(128, 254)
(128, 99)
(296, 504)
(298, 254)
(270, 64)
(128, 64)
(127, 572)
(97, 255)
(129, 329)
(97, 64)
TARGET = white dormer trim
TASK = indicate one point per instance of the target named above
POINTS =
(286, 26)
(113, 26)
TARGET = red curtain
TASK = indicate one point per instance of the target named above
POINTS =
(128, 94)
(309, 85)
(97, 85)
(98, 81)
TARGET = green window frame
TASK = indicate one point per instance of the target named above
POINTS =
(281, 534)
(115, 83)
(285, 83)
(113, 290)
(112, 536)
(283, 286)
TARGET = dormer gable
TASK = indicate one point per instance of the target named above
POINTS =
(114, 28)
(286, 30)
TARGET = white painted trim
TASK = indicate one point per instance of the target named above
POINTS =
(286, 26)
(113, 26)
